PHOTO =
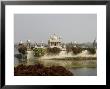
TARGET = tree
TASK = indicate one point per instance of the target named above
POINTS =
(54, 50)
(91, 50)
(76, 50)
(22, 49)
(38, 52)
(68, 48)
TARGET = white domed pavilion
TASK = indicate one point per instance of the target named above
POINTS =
(54, 41)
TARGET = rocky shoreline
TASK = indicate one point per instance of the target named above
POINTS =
(40, 70)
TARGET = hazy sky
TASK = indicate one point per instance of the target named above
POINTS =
(71, 27)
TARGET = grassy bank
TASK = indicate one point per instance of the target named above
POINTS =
(69, 62)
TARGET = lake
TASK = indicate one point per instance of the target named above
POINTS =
(84, 71)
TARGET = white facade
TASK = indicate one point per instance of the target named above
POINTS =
(30, 54)
(54, 41)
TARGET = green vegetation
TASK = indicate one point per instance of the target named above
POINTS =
(68, 48)
(22, 49)
(73, 49)
(54, 50)
(91, 50)
(76, 50)
(38, 52)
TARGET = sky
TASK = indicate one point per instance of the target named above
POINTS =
(70, 27)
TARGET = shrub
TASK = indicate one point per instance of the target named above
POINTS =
(38, 52)
(76, 50)
(19, 56)
(54, 50)
(68, 49)
(22, 49)
(32, 48)
(91, 50)
(73, 49)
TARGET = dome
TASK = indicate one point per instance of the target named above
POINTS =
(54, 37)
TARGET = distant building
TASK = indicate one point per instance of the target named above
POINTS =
(75, 43)
(54, 41)
(28, 44)
(94, 44)
(39, 45)
(20, 43)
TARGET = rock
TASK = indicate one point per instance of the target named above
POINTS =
(40, 70)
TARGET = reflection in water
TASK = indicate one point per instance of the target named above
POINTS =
(84, 71)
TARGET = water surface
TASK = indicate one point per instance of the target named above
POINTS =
(84, 71)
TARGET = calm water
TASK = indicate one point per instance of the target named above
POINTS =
(76, 71)
(84, 71)
(16, 61)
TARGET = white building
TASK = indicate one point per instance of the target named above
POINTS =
(54, 41)
(39, 45)
(20, 43)
(28, 44)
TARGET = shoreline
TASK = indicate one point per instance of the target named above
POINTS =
(78, 62)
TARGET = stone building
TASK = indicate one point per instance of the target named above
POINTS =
(54, 41)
